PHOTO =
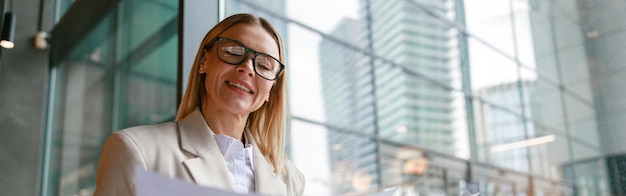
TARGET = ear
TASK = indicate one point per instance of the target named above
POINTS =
(201, 65)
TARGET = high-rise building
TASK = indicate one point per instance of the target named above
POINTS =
(410, 108)
(348, 104)
(362, 94)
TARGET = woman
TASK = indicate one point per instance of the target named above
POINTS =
(229, 131)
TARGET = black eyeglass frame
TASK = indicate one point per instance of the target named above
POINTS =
(246, 55)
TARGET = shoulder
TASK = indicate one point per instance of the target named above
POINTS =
(147, 140)
(126, 149)
(149, 132)
(148, 136)
(294, 177)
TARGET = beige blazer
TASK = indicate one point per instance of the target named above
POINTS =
(185, 150)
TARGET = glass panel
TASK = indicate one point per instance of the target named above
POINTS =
(415, 107)
(547, 153)
(590, 171)
(347, 85)
(463, 143)
(123, 74)
(575, 73)
(307, 96)
(545, 107)
(60, 7)
(492, 25)
(148, 57)
(489, 68)
(414, 171)
(323, 15)
(543, 39)
(545, 187)
(455, 180)
(263, 8)
(523, 33)
(354, 162)
(582, 122)
(500, 182)
(82, 115)
(452, 79)
(342, 161)
(312, 157)
(499, 137)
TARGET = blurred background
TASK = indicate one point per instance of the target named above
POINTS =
(431, 97)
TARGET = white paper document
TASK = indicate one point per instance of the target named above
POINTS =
(153, 184)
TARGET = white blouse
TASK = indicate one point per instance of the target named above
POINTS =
(239, 161)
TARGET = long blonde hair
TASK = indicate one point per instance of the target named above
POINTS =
(267, 124)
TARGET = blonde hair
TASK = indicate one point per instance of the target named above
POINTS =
(267, 124)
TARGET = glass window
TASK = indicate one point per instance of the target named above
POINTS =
(60, 7)
(456, 79)
(123, 74)
(430, 96)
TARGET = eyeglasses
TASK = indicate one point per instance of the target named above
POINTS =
(234, 52)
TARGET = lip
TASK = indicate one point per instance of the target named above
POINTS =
(246, 84)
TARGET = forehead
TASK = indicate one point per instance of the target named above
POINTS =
(253, 36)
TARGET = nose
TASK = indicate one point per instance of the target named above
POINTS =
(247, 66)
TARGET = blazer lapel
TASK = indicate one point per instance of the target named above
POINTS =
(267, 182)
(208, 167)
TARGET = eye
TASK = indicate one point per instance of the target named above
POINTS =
(234, 50)
(264, 67)
(264, 63)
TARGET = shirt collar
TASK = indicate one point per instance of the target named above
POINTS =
(224, 142)
(245, 138)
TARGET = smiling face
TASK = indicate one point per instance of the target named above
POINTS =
(237, 89)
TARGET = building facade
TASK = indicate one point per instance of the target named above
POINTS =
(401, 31)
(347, 77)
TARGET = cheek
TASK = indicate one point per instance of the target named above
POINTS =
(213, 75)
(207, 81)
(266, 88)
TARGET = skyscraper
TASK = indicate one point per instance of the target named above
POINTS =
(349, 107)
(370, 96)
(410, 109)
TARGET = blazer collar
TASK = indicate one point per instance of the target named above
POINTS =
(267, 181)
(208, 167)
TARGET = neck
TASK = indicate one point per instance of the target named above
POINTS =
(222, 122)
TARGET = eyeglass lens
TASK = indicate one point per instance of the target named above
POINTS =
(233, 52)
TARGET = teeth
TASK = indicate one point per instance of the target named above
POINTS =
(242, 87)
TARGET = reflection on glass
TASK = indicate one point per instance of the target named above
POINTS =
(123, 74)
(498, 127)
(60, 7)
(512, 100)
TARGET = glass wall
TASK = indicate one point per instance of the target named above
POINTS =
(124, 73)
(430, 97)
(441, 96)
